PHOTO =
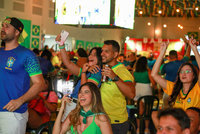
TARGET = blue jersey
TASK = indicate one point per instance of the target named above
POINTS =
(96, 77)
(171, 68)
(16, 67)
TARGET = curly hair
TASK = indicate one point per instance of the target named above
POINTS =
(96, 104)
(179, 85)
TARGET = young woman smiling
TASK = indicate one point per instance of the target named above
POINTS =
(185, 92)
(88, 117)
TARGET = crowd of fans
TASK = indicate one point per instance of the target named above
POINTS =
(105, 81)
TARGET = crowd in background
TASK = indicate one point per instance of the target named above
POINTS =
(105, 81)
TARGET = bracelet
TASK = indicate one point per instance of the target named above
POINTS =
(62, 47)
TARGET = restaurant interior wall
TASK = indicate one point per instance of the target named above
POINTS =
(41, 12)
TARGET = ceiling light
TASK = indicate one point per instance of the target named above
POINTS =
(159, 11)
(149, 23)
(164, 25)
(179, 25)
(177, 10)
(140, 12)
(196, 8)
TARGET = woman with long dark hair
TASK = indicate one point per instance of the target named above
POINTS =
(88, 117)
(143, 80)
(185, 91)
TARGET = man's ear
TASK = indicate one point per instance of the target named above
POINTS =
(186, 131)
(17, 33)
(116, 54)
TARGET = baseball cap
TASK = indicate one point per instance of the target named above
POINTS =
(17, 24)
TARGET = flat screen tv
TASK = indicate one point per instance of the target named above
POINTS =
(124, 13)
(83, 12)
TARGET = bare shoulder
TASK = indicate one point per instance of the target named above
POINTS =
(101, 118)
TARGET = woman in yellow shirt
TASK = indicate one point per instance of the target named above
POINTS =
(185, 92)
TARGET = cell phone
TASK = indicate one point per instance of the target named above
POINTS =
(64, 34)
(187, 37)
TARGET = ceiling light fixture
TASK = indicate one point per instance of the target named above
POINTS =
(177, 10)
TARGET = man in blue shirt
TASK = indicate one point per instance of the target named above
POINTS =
(18, 66)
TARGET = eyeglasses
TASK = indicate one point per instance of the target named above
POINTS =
(186, 71)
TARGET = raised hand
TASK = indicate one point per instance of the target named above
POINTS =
(164, 46)
(85, 67)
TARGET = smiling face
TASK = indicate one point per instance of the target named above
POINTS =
(93, 58)
(186, 74)
(108, 55)
(8, 32)
(85, 97)
(168, 125)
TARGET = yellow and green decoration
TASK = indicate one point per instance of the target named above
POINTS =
(35, 30)
(35, 43)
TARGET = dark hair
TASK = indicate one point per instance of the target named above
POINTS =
(179, 85)
(96, 103)
(3, 44)
(82, 53)
(99, 62)
(141, 64)
(192, 58)
(46, 53)
(194, 109)
(173, 54)
(98, 55)
(115, 45)
(179, 114)
(36, 51)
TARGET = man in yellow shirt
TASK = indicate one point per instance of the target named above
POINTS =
(118, 86)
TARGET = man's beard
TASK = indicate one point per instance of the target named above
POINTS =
(7, 39)
(109, 60)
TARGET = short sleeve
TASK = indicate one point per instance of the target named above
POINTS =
(170, 86)
(32, 66)
(96, 77)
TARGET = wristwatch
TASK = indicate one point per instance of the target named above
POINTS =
(116, 78)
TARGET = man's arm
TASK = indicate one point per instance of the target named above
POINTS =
(38, 86)
(127, 88)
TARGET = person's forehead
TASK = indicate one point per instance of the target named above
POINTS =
(192, 113)
(169, 121)
(107, 46)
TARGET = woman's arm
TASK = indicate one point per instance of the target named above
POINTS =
(59, 127)
(192, 43)
(104, 124)
(150, 78)
(92, 69)
(154, 73)
(73, 68)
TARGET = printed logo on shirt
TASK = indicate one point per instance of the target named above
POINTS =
(189, 100)
(10, 63)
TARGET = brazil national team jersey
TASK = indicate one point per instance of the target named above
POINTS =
(16, 68)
